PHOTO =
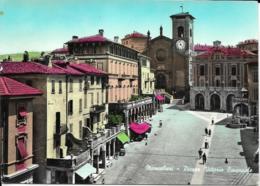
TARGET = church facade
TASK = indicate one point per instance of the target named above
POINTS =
(171, 57)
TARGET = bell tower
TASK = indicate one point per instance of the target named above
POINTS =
(182, 46)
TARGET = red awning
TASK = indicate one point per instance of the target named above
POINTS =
(22, 148)
(159, 97)
(22, 112)
(20, 166)
(140, 128)
(22, 129)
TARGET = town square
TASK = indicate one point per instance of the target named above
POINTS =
(129, 92)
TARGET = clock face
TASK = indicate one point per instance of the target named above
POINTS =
(180, 45)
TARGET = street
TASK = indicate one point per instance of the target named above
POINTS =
(171, 155)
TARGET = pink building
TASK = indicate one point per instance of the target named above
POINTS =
(120, 62)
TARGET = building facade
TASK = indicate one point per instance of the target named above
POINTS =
(219, 77)
(16, 131)
(136, 41)
(146, 76)
(70, 116)
(118, 61)
(170, 57)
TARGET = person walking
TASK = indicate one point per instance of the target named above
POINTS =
(206, 144)
(204, 158)
(209, 132)
(212, 121)
(206, 131)
(200, 153)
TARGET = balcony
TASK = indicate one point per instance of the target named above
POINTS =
(69, 162)
(240, 100)
(21, 121)
(96, 109)
(130, 105)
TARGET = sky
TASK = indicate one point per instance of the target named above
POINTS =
(44, 25)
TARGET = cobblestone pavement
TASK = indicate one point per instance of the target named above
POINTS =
(171, 156)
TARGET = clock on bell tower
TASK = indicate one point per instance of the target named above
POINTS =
(182, 45)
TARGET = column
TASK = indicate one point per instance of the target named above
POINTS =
(103, 158)
(52, 177)
(97, 160)
(126, 112)
(114, 147)
(108, 150)
(71, 177)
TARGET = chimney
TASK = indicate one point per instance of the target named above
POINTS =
(74, 37)
(116, 38)
(101, 32)
(216, 43)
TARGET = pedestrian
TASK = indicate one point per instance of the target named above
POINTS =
(204, 158)
(200, 153)
(206, 144)
(209, 132)
(206, 131)
(226, 161)
(212, 121)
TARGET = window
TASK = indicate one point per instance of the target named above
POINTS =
(70, 107)
(80, 105)
(119, 84)
(71, 128)
(98, 118)
(233, 71)
(52, 86)
(180, 31)
(71, 85)
(255, 94)
(217, 83)
(217, 71)
(80, 129)
(80, 85)
(92, 99)
(190, 33)
(202, 70)
(85, 100)
(92, 80)
(21, 147)
(233, 83)
(98, 98)
(255, 76)
(60, 87)
(98, 80)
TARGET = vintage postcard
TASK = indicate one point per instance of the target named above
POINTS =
(129, 92)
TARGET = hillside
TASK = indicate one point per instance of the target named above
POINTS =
(19, 56)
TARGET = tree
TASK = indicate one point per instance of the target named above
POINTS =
(25, 56)
(115, 119)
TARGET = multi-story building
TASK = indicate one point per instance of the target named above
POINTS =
(136, 41)
(16, 131)
(118, 61)
(250, 44)
(71, 112)
(146, 76)
(219, 77)
(121, 65)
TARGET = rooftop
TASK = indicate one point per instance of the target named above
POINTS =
(182, 15)
(10, 87)
(87, 68)
(135, 35)
(63, 50)
(90, 39)
(29, 68)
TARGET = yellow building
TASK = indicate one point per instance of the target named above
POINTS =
(146, 76)
(73, 101)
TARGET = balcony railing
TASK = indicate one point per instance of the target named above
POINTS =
(240, 100)
(132, 104)
(98, 108)
(69, 162)
(21, 121)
